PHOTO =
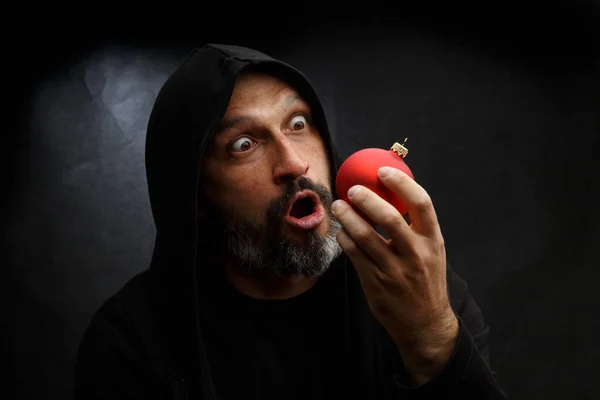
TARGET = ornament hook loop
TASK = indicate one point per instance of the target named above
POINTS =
(400, 149)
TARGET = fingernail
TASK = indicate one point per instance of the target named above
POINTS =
(354, 190)
(336, 204)
(385, 172)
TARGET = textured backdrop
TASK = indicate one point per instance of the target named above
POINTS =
(502, 121)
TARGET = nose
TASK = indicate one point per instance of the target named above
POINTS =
(289, 165)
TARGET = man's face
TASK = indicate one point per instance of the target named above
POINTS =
(266, 180)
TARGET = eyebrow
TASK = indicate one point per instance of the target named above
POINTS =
(228, 123)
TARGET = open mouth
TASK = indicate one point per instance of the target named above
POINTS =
(305, 211)
(303, 207)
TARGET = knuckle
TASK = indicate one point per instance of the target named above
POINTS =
(345, 242)
(391, 219)
(350, 247)
(440, 245)
(436, 241)
(362, 234)
(441, 242)
(354, 249)
(420, 271)
(419, 253)
(386, 280)
(424, 202)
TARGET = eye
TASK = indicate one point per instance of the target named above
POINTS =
(242, 144)
(298, 122)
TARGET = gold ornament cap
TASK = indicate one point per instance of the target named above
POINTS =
(400, 149)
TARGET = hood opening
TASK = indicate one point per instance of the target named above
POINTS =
(187, 109)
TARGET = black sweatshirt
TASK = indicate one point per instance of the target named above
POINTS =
(179, 331)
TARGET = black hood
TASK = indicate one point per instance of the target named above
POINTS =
(188, 107)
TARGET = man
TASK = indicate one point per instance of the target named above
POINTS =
(261, 286)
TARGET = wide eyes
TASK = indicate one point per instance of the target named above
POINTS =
(244, 143)
(298, 122)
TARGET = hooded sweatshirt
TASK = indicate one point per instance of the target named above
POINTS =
(177, 331)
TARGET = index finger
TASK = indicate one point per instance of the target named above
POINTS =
(416, 199)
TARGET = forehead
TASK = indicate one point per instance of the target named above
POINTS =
(259, 89)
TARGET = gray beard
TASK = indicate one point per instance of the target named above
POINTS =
(311, 258)
(264, 247)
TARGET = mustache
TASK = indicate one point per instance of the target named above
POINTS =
(220, 222)
(277, 207)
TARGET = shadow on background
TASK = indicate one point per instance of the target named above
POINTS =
(501, 110)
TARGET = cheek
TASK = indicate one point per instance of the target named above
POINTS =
(234, 190)
(242, 194)
(321, 167)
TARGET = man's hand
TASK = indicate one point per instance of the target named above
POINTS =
(404, 277)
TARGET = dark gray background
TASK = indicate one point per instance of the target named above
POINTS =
(501, 108)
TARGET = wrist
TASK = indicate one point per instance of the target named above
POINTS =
(430, 349)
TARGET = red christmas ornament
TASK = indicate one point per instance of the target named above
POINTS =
(361, 169)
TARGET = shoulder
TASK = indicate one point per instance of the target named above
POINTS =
(119, 354)
(122, 313)
(133, 295)
(125, 325)
(127, 305)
